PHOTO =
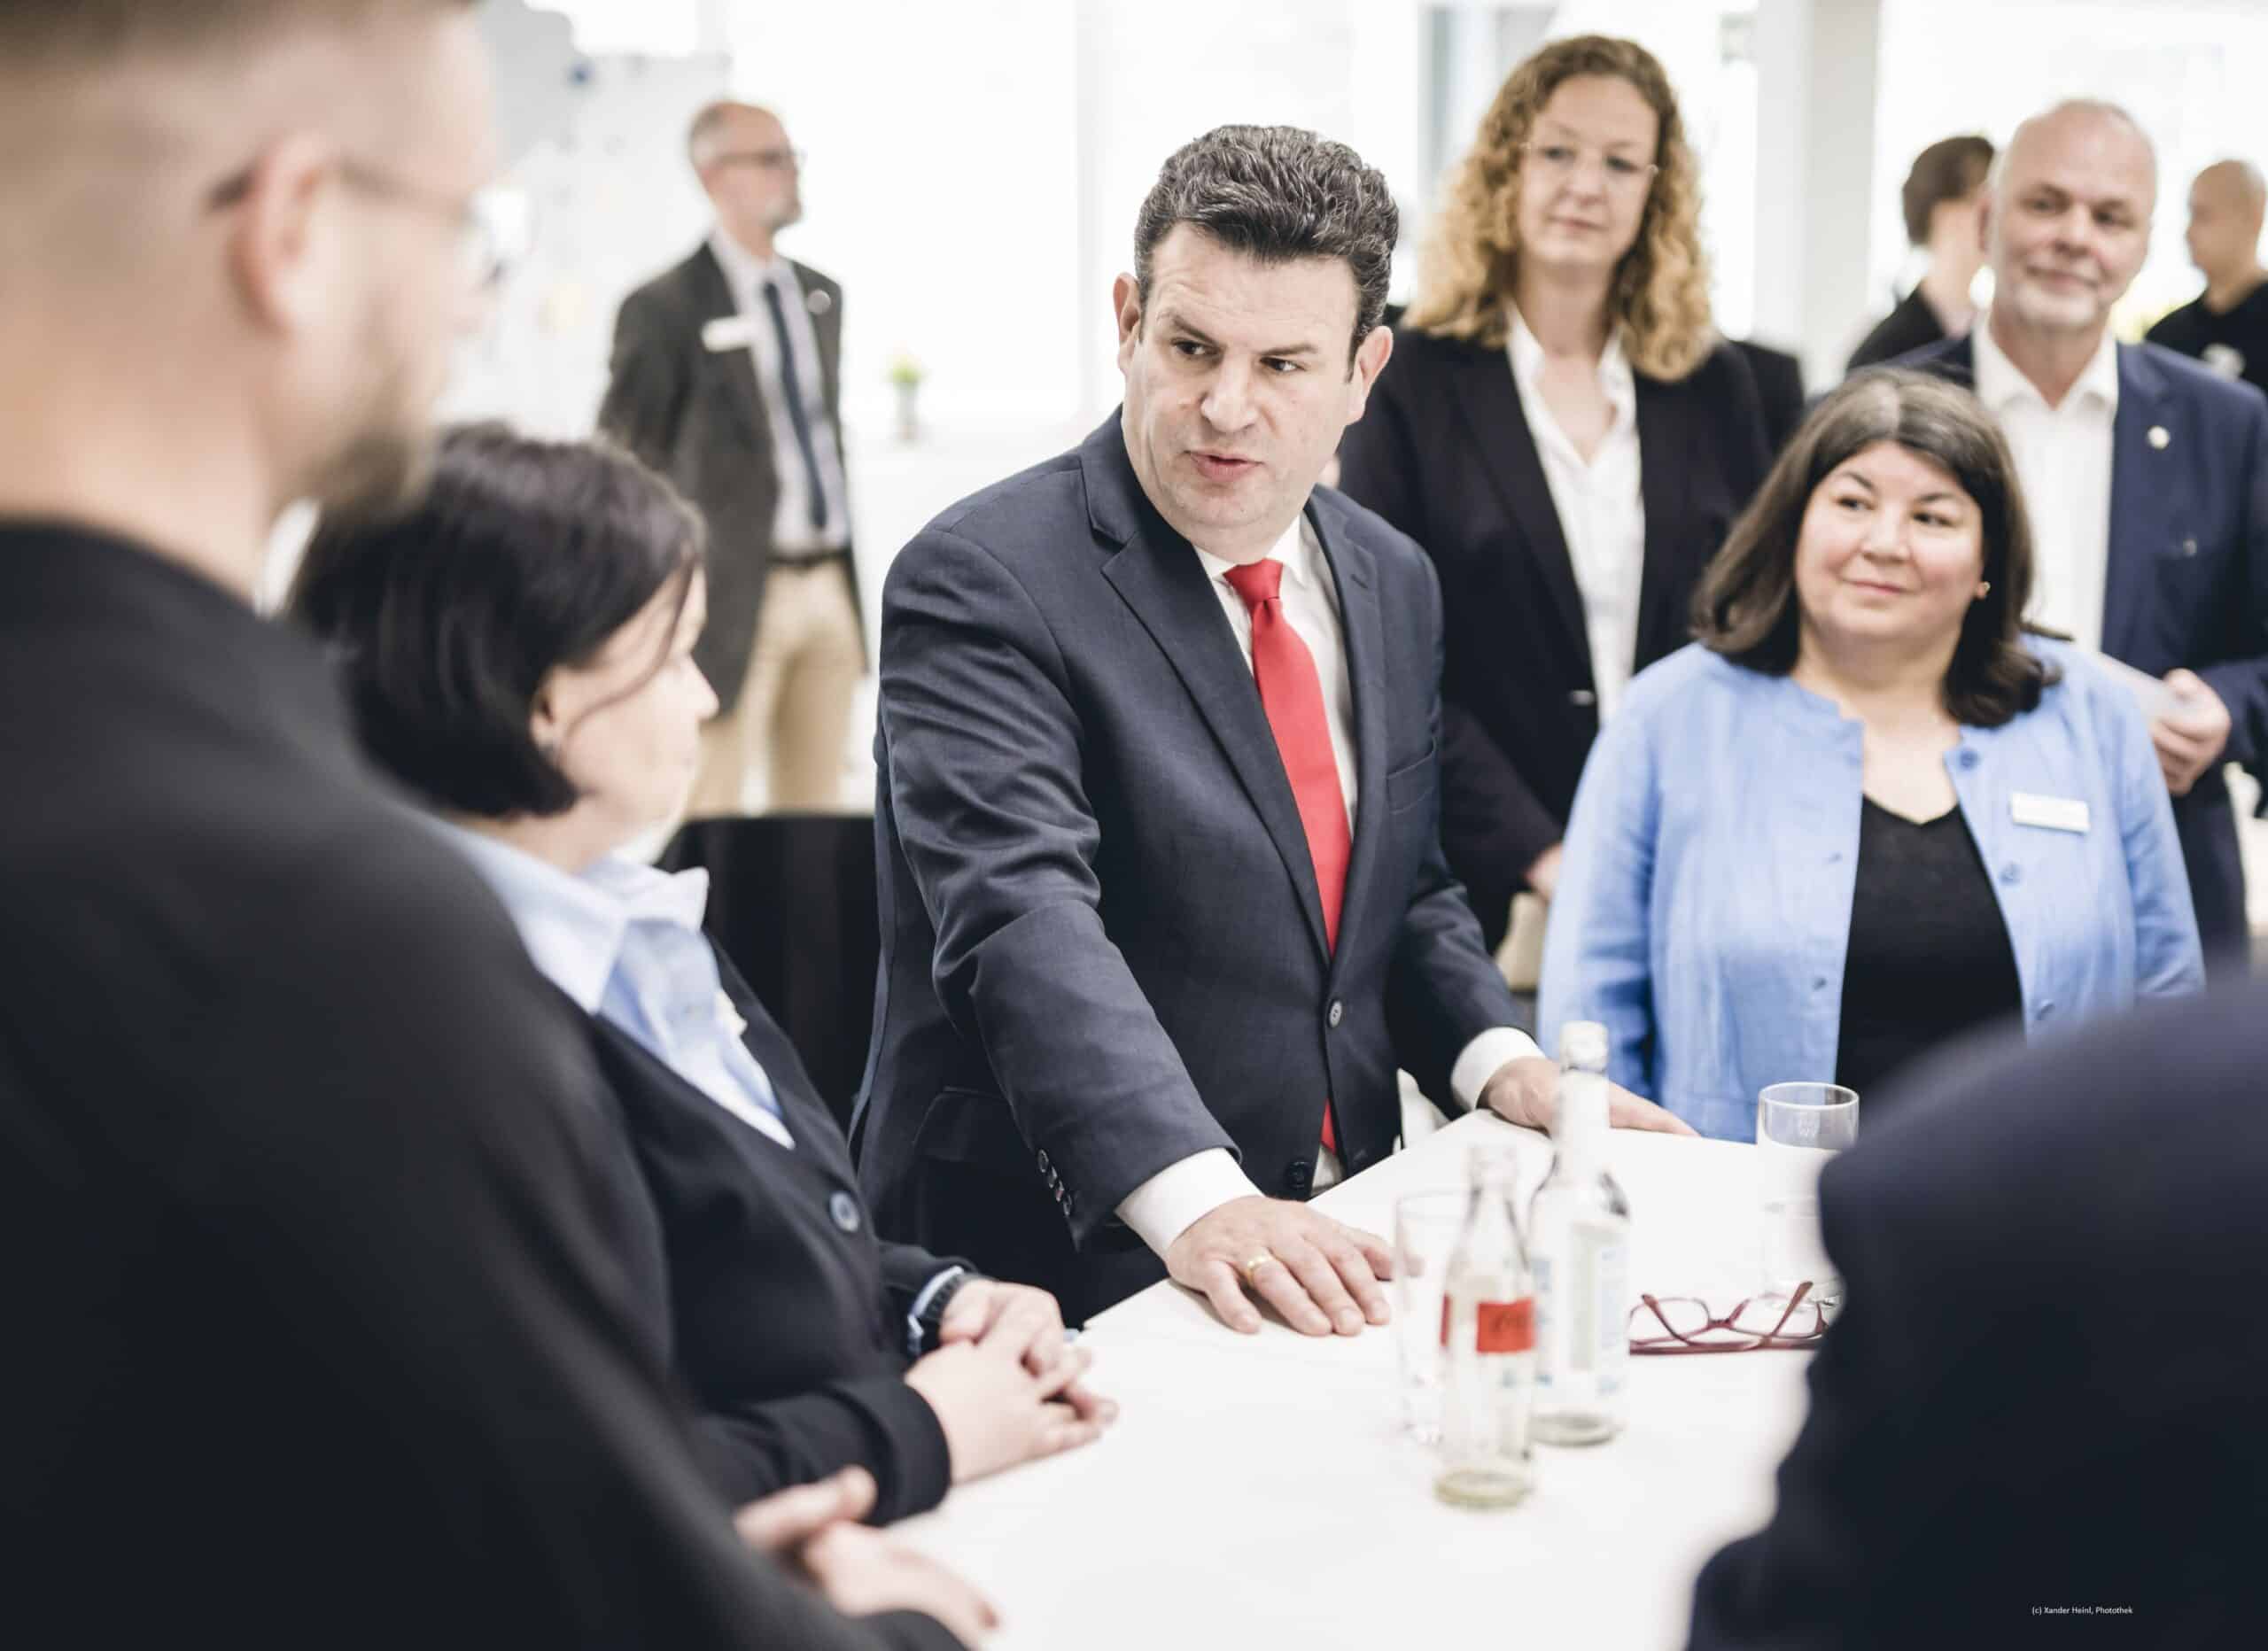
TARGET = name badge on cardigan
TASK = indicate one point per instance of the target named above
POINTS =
(2055, 813)
(728, 332)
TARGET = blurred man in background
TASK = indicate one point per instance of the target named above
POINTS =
(2226, 325)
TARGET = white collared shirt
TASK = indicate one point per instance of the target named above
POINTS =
(624, 941)
(1600, 508)
(748, 276)
(1165, 1205)
(2064, 458)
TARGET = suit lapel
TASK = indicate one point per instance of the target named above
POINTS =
(2141, 474)
(1156, 573)
(1666, 460)
(714, 301)
(1491, 403)
(826, 327)
(1365, 633)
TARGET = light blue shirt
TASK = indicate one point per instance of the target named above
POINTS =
(1703, 904)
(625, 942)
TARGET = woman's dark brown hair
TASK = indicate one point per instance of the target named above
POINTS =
(1746, 608)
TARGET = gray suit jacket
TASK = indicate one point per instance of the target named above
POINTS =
(697, 416)
(1103, 948)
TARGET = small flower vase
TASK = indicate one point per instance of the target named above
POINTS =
(909, 414)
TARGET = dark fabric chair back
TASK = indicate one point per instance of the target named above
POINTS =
(791, 902)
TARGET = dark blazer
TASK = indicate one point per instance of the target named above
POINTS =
(1912, 325)
(2188, 583)
(1444, 454)
(2043, 1390)
(1779, 390)
(787, 1316)
(699, 417)
(301, 1167)
(1103, 949)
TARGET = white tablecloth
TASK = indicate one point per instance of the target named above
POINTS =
(1257, 1492)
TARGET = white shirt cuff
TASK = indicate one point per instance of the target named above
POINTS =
(1170, 1202)
(1482, 1057)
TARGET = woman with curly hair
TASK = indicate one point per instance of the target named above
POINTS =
(1564, 432)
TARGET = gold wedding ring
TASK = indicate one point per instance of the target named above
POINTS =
(1254, 1266)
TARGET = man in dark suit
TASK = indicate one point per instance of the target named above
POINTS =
(2146, 476)
(727, 380)
(1158, 805)
(299, 1158)
(2041, 1395)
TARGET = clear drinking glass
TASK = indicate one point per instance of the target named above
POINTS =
(1426, 1228)
(1798, 1127)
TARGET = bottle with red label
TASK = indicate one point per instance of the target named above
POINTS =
(1489, 1361)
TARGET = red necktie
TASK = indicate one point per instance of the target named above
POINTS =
(1291, 694)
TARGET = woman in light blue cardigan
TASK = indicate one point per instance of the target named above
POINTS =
(1866, 810)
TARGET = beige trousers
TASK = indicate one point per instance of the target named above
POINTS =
(791, 720)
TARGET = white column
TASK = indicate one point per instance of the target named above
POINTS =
(1817, 73)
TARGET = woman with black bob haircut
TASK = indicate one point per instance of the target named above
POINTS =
(517, 652)
(1868, 808)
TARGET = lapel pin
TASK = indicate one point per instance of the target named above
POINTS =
(2158, 436)
(819, 303)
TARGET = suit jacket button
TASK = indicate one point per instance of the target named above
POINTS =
(1338, 1011)
(1582, 697)
(1300, 1177)
(844, 1209)
(1043, 1165)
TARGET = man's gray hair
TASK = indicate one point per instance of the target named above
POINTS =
(707, 132)
(1277, 193)
(2100, 107)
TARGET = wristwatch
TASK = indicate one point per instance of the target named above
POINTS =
(928, 1314)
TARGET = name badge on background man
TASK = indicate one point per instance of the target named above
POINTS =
(2056, 813)
(728, 332)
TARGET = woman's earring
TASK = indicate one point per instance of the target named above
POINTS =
(1983, 590)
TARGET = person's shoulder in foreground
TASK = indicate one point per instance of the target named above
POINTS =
(2036, 1399)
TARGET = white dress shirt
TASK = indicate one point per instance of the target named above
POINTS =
(1165, 1206)
(1602, 511)
(2063, 457)
(748, 276)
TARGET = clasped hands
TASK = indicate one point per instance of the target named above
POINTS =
(2190, 733)
(1323, 1277)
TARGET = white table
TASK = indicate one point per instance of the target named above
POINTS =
(1257, 1492)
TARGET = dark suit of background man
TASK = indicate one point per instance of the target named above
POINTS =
(2146, 476)
(2044, 1393)
(1160, 722)
(726, 379)
(1943, 203)
(2226, 325)
(316, 1329)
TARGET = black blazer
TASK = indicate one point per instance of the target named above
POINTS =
(1444, 454)
(698, 416)
(1779, 390)
(2187, 580)
(786, 1314)
(2043, 1392)
(1102, 946)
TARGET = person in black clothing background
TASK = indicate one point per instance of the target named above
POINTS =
(2226, 325)
(319, 1333)
(1563, 434)
(1943, 202)
(517, 652)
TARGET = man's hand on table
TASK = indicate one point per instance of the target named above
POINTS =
(1526, 1092)
(1321, 1275)
(813, 1530)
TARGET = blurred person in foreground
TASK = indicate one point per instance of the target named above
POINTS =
(1865, 812)
(1566, 436)
(301, 1163)
(1943, 206)
(2226, 325)
(1164, 902)
(518, 653)
(2146, 473)
(727, 379)
(2040, 1396)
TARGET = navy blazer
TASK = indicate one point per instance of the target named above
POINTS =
(1444, 453)
(1103, 948)
(2188, 581)
(2043, 1389)
(786, 1314)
